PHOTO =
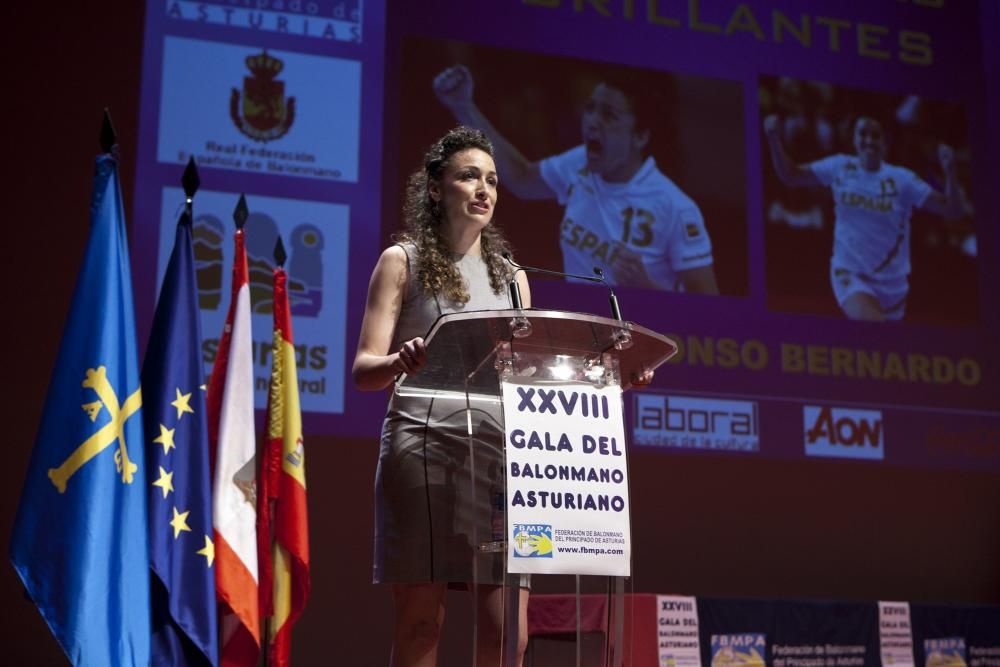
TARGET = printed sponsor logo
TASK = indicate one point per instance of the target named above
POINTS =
(532, 540)
(747, 649)
(281, 113)
(265, 114)
(965, 440)
(843, 432)
(306, 281)
(316, 237)
(695, 423)
(945, 652)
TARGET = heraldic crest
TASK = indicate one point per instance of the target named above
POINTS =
(266, 113)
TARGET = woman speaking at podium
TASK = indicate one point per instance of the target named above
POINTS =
(449, 259)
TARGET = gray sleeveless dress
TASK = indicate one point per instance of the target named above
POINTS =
(424, 512)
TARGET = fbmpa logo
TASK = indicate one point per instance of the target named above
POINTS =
(945, 652)
(843, 432)
(533, 540)
(745, 650)
(267, 114)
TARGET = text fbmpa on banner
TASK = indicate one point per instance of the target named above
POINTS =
(567, 479)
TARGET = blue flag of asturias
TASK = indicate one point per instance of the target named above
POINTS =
(182, 552)
(79, 541)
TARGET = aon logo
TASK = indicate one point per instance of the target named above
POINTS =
(843, 432)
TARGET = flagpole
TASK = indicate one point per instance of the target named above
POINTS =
(279, 263)
(108, 138)
(191, 183)
(268, 613)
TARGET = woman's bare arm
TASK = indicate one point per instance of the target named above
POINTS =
(375, 367)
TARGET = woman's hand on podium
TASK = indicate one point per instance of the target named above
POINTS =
(641, 379)
(411, 357)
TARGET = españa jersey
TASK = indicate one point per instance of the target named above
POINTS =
(872, 231)
(649, 216)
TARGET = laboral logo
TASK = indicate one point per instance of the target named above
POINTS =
(690, 422)
(843, 432)
(532, 540)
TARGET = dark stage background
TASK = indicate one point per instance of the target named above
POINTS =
(717, 525)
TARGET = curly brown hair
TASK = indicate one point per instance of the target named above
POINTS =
(436, 272)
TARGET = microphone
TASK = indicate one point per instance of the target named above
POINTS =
(616, 311)
(622, 337)
(535, 269)
(514, 289)
(520, 327)
(613, 300)
(512, 286)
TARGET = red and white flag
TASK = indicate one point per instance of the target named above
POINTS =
(283, 527)
(234, 490)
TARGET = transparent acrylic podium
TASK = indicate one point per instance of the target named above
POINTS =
(470, 355)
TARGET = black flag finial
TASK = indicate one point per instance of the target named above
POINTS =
(279, 252)
(190, 180)
(241, 213)
(108, 136)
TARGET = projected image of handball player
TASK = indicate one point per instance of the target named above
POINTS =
(622, 213)
(873, 202)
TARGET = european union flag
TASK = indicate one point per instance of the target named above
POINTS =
(182, 553)
(79, 542)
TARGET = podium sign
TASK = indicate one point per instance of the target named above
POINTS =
(567, 479)
(559, 378)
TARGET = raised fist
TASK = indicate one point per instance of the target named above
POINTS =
(946, 155)
(453, 86)
(771, 125)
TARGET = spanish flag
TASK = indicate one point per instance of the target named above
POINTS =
(282, 528)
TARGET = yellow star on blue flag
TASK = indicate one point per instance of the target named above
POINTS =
(208, 551)
(165, 482)
(182, 403)
(166, 438)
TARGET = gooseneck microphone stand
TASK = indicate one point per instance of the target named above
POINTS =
(515, 291)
